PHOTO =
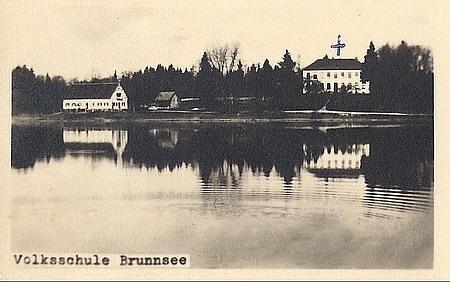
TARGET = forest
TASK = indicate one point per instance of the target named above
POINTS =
(401, 80)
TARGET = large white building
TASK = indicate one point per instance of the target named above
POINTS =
(96, 97)
(332, 74)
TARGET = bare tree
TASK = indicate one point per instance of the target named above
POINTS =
(224, 58)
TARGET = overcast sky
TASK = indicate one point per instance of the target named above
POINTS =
(81, 39)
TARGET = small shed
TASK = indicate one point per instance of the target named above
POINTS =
(167, 100)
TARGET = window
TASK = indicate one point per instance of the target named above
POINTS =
(335, 75)
(99, 104)
(118, 94)
(315, 76)
(328, 74)
(356, 73)
(67, 104)
(342, 74)
(328, 86)
(123, 103)
(308, 75)
(349, 75)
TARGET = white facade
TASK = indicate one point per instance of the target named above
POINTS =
(116, 100)
(332, 80)
(119, 99)
(87, 104)
(335, 76)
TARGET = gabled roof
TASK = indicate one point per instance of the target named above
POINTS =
(165, 96)
(334, 64)
(91, 91)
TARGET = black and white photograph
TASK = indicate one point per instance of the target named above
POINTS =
(229, 139)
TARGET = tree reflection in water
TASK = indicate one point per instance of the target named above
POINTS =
(398, 157)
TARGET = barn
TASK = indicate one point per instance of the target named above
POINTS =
(167, 100)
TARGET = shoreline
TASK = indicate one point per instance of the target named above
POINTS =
(308, 118)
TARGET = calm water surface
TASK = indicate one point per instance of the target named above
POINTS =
(231, 196)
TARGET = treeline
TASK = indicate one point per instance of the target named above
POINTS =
(36, 94)
(221, 83)
(401, 79)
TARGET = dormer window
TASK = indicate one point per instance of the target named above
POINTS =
(118, 94)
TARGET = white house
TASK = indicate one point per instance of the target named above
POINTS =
(96, 97)
(333, 73)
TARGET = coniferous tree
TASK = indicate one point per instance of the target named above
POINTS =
(208, 82)
(266, 81)
(287, 64)
(370, 67)
(288, 83)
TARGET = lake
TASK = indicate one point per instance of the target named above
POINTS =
(245, 195)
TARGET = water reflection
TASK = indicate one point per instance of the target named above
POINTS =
(228, 194)
(95, 142)
(377, 167)
(32, 143)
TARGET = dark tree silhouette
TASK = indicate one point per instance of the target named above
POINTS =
(401, 78)
(36, 94)
(370, 64)
(208, 82)
(289, 83)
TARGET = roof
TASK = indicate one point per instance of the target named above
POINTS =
(165, 96)
(334, 64)
(91, 91)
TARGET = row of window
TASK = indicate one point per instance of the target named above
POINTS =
(73, 104)
(335, 74)
(114, 104)
(343, 164)
(349, 86)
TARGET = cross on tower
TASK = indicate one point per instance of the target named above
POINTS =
(338, 46)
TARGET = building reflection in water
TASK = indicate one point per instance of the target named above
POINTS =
(336, 160)
(96, 143)
(167, 138)
(378, 169)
